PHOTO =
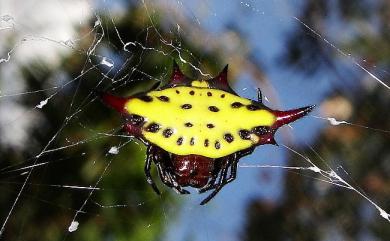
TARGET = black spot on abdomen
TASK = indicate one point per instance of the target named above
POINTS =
(179, 141)
(217, 145)
(153, 127)
(237, 105)
(145, 98)
(213, 108)
(188, 124)
(253, 107)
(206, 142)
(186, 106)
(167, 132)
(245, 134)
(163, 98)
(210, 126)
(228, 137)
(136, 120)
(261, 130)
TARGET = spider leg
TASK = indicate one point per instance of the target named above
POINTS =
(210, 185)
(259, 96)
(229, 162)
(221, 183)
(169, 180)
(244, 152)
(178, 188)
(165, 175)
(212, 182)
(233, 170)
(150, 154)
(232, 163)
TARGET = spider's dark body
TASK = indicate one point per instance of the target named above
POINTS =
(197, 130)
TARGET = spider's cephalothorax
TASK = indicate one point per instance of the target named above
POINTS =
(197, 130)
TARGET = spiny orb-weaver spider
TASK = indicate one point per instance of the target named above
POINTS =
(196, 131)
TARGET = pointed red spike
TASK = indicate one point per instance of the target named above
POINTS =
(221, 81)
(222, 77)
(273, 142)
(267, 139)
(285, 117)
(177, 76)
(115, 102)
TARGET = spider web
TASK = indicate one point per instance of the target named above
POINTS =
(52, 124)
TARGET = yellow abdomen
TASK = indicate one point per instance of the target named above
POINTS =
(201, 121)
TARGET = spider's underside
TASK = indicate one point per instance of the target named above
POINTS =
(196, 131)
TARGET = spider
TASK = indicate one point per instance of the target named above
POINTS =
(196, 131)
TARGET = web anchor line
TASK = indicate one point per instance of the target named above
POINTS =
(330, 176)
(342, 53)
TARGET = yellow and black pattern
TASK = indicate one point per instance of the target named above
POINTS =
(196, 131)
(199, 120)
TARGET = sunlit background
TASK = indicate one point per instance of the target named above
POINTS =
(68, 172)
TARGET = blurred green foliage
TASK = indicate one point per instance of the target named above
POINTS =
(124, 207)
